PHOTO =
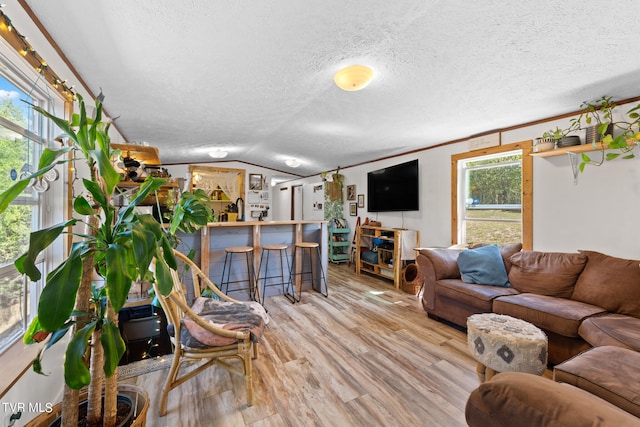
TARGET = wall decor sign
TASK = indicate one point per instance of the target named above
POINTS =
(255, 181)
(353, 209)
(484, 141)
(361, 200)
(351, 192)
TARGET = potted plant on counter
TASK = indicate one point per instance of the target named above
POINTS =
(118, 245)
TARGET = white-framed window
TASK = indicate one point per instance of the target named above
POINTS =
(23, 136)
(490, 199)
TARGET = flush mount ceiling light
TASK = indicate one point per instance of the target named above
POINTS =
(292, 163)
(218, 154)
(353, 78)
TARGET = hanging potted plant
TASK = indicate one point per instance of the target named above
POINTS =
(118, 245)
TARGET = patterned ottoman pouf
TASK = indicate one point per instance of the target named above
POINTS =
(503, 343)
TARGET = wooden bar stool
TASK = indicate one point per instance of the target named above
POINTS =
(228, 262)
(291, 288)
(262, 279)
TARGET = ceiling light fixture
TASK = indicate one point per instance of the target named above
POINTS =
(353, 78)
(292, 163)
(218, 154)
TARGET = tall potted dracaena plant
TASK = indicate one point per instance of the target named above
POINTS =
(118, 245)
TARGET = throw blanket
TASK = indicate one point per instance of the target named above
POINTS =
(233, 316)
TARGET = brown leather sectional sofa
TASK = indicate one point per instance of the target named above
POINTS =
(588, 303)
(581, 300)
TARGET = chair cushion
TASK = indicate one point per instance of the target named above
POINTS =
(233, 316)
(483, 266)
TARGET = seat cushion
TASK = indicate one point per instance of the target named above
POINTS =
(608, 372)
(559, 315)
(526, 400)
(233, 316)
(612, 329)
(480, 296)
(546, 273)
(610, 282)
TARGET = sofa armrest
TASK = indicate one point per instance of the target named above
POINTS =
(436, 264)
(443, 261)
(519, 399)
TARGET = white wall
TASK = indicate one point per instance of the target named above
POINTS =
(599, 213)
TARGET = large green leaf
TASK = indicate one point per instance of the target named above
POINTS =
(39, 241)
(167, 253)
(96, 191)
(63, 124)
(118, 279)
(150, 185)
(93, 129)
(191, 213)
(113, 345)
(145, 241)
(49, 156)
(163, 277)
(59, 334)
(82, 206)
(76, 373)
(83, 130)
(9, 195)
(59, 295)
(34, 328)
(108, 173)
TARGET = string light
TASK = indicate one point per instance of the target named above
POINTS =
(23, 47)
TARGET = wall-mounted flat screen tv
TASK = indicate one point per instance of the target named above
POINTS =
(394, 188)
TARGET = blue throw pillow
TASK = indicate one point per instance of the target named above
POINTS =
(483, 266)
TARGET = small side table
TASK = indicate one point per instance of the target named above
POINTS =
(502, 343)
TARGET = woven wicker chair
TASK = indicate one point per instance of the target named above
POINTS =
(176, 308)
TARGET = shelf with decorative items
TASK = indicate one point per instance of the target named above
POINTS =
(134, 164)
(613, 135)
(338, 245)
(576, 149)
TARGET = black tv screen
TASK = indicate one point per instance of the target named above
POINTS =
(394, 188)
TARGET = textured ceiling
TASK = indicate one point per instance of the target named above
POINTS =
(255, 78)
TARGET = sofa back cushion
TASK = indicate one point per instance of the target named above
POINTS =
(611, 283)
(546, 273)
(506, 251)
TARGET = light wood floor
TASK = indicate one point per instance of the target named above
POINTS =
(365, 356)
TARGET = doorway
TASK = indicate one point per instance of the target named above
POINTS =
(296, 203)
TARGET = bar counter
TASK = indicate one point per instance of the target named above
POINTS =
(216, 236)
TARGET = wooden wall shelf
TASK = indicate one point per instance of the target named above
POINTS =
(150, 156)
(576, 149)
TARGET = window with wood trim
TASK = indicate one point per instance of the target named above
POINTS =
(491, 196)
(23, 137)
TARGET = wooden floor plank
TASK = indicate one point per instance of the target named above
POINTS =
(365, 356)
